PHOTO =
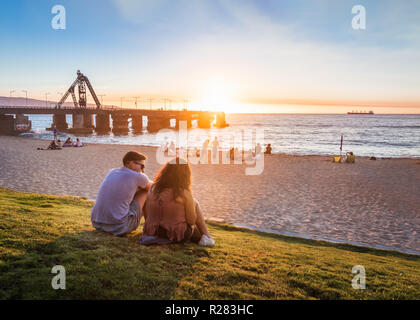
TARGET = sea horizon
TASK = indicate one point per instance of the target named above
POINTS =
(382, 136)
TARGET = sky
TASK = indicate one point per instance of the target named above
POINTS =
(231, 55)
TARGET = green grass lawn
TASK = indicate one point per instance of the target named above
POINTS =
(39, 231)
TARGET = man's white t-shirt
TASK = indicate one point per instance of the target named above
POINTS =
(115, 195)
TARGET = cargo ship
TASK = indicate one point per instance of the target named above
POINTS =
(360, 112)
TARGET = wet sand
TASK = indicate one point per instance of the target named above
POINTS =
(375, 203)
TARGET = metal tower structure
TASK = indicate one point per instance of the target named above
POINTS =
(81, 82)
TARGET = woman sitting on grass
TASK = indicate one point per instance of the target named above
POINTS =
(170, 210)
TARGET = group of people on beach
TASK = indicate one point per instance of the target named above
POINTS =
(213, 149)
(57, 145)
(171, 213)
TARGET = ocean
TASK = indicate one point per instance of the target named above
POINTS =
(301, 134)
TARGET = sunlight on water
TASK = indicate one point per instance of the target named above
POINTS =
(377, 135)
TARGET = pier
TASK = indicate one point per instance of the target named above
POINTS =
(83, 119)
(102, 119)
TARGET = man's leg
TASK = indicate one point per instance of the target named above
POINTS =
(136, 211)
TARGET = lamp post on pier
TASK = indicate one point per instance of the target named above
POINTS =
(26, 94)
(60, 94)
(11, 91)
(136, 101)
(101, 96)
(46, 99)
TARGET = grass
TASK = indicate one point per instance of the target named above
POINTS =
(40, 231)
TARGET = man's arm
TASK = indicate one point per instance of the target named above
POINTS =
(144, 183)
(146, 188)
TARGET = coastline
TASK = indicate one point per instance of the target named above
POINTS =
(337, 241)
(292, 196)
(29, 136)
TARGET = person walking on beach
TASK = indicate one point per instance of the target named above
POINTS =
(170, 211)
(55, 133)
(121, 197)
(258, 150)
(204, 152)
(215, 151)
(172, 149)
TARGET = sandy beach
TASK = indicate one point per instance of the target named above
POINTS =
(374, 203)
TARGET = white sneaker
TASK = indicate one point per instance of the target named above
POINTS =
(206, 241)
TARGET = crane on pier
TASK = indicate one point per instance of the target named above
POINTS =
(81, 82)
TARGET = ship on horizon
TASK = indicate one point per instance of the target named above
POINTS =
(360, 112)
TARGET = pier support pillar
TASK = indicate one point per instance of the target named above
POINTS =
(88, 121)
(120, 123)
(59, 121)
(78, 121)
(102, 123)
(188, 120)
(82, 123)
(205, 120)
(155, 123)
(7, 124)
(221, 120)
(23, 123)
(137, 123)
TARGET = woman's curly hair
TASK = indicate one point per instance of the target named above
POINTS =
(174, 175)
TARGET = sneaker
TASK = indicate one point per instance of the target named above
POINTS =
(206, 241)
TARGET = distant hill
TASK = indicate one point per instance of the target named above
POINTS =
(21, 102)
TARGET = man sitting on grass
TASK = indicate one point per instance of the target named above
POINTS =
(121, 197)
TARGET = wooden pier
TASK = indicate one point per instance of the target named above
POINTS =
(13, 119)
(83, 119)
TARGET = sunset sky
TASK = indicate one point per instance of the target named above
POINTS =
(237, 56)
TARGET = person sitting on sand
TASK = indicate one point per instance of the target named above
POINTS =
(165, 148)
(170, 211)
(172, 149)
(121, 197)
(350, 158)
(268, 149)
(53, 146)
(68, 143)
(78, 143)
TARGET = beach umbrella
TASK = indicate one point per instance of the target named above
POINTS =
(341, 145)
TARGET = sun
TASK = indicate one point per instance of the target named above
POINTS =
(218, 95)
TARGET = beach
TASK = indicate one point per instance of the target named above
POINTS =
(374, 203)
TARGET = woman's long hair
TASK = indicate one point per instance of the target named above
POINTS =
(174, 175)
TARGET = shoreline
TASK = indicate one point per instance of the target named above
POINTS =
(272, 154)
(338, 241)
(369, 203)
